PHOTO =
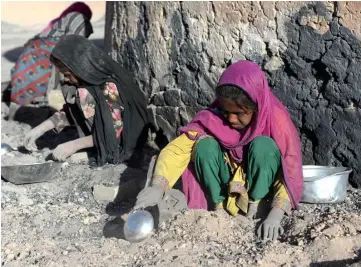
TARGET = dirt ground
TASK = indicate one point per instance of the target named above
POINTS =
(58, 223)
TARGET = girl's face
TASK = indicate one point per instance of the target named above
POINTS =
(237, 117)
(69, 77)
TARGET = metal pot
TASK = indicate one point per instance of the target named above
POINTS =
(324, 184)
(31, 173)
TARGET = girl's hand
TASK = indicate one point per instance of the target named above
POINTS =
(149, 196)
(271, 227)
(34, 134)
(65, 150)
(31, 137)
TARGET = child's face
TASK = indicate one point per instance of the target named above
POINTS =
(237, 117)
(69, 77)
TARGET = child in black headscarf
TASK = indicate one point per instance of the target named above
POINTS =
(102, 99)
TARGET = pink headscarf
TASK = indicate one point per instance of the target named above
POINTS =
(79, 7)
(272, 120)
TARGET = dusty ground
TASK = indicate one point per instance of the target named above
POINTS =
(60, 224)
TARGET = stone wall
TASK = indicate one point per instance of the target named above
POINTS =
(310, 51)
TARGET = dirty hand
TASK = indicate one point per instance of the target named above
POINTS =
(63, 151)
(149, 196)
(271, 227)
(32, 135)
(30, 138)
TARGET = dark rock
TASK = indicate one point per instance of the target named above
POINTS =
(167, 129)
(188, 100)
(187, 81)
(187, 113)
(172, 97)
(152, 117)
(189, 56)
(158, 99)
(336, 58)
(170, 114)
(311, 46)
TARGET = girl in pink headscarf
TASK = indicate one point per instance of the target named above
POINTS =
(241, 150)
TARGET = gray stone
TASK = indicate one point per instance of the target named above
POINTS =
(105, 193)
(311, 45)
(152, 117)
(188, 100)
(158, 99)
(187, 113)
(253, 48)
(170, 114)
(166, 127)
(172, 97)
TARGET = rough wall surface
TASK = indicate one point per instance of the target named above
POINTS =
(309, 50)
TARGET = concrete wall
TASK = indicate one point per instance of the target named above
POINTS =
(311, 53)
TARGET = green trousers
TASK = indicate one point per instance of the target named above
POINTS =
(263, 160)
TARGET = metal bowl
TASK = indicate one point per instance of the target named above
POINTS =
(324, 184)
(30, 173)
(138, 226)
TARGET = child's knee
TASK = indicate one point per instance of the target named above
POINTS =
(264, 147)
(207, 149)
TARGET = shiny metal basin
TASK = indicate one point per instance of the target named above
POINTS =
(324, 184)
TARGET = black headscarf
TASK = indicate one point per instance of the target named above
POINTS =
(95, 68)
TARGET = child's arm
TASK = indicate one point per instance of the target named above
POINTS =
(292, 164)
(67, 149)
(271, 228)
(171, 163)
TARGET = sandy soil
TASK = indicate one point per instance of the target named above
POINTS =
(59, 223)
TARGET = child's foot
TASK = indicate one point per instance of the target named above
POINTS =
(219, 206)
(252, 210)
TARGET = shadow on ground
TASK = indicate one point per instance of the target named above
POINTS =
(115, 227)
(33, 116)
(13, 54)
(355, 262)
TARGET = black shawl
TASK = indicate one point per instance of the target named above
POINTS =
(95, 68)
